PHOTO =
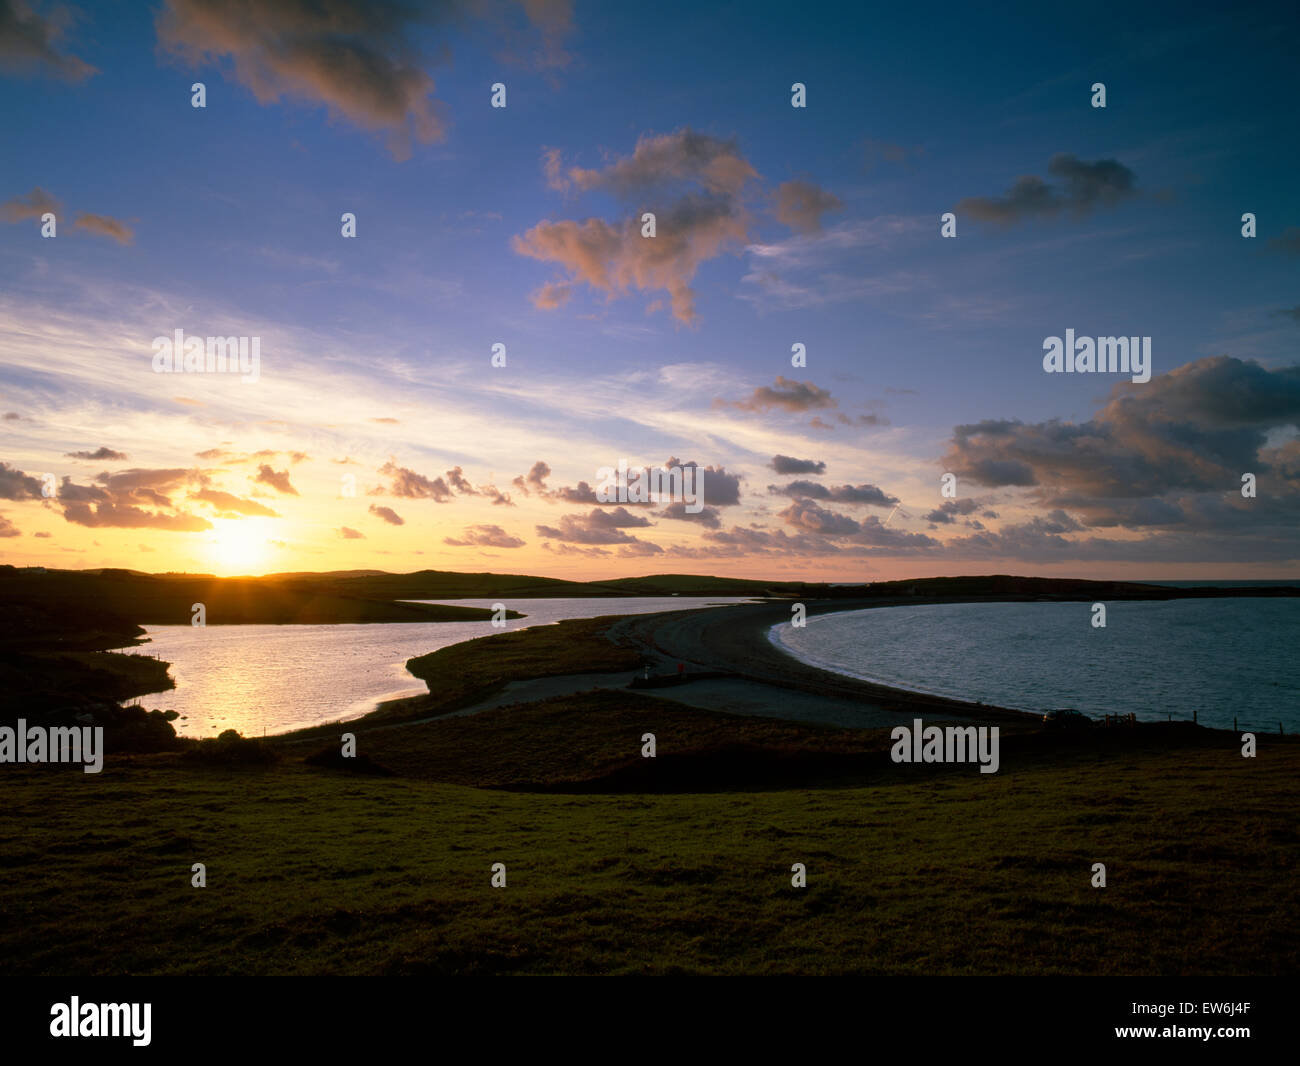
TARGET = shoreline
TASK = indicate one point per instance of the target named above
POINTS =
(733, 666)
(734, 640)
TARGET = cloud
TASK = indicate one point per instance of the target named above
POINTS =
(228, 504)
(348, 533)
(785, 394)
(1082, 188)
(410, 485)
(805, 514)
(850, 494)
(498, 498)
(706, 516)
(15, 485)
(124, 516)
(874, 152)
(1168, 452)
(1288, 241)
(356, 57)
(387, 514)
(8, 529)
(800, 205)
(580, 493)
(949, 511)
(716, 486)
(552, 295)
(31, 41)
(277, 479)
(680, 157)
(384, 421)
(1290, 312)
(104, 227)
(599, 526)
(457, 480)
(484, 536)
(37, 203)
(694, 183)
(535, 481)
(99, 453)
(785, 464)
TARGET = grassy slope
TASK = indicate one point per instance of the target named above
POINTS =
(319, 872)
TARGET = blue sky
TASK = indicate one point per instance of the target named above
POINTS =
(225, 221)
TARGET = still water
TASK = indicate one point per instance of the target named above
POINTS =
(270, 679)
(1221, 657)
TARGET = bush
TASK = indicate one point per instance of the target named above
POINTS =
(231, 749)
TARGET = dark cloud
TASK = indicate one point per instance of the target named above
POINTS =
(788, 395)
(31, 41)
(277, 479)
(706, 516)
(100, 453)
(580, 493)
(8, 529)
(1169, 453)
(457, 480)
(15, 485)
(407, 484)
(1287, 242)
(387, 514)
(357, 57)
(348, 533)
(949, 511)
(862, 420)
(599, 526)
(1080, 188)
(716, 487)
(498, 498)
(484, 536)
(535, 481)
(801, 204)
(784, 464)
(851, 494)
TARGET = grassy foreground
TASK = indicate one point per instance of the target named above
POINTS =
(618, 864)
(312, 871)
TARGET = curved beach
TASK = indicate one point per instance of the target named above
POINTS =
(734, 641)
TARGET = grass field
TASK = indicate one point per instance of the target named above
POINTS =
(313, 871)
(619, 864)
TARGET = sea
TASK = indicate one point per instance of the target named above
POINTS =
(1222, 660)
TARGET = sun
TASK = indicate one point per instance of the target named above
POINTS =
(239, 546)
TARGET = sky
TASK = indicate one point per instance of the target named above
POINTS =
(919, 432)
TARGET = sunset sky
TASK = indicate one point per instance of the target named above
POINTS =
(776, 226)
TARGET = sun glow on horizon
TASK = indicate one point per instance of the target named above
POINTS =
(240, 546)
